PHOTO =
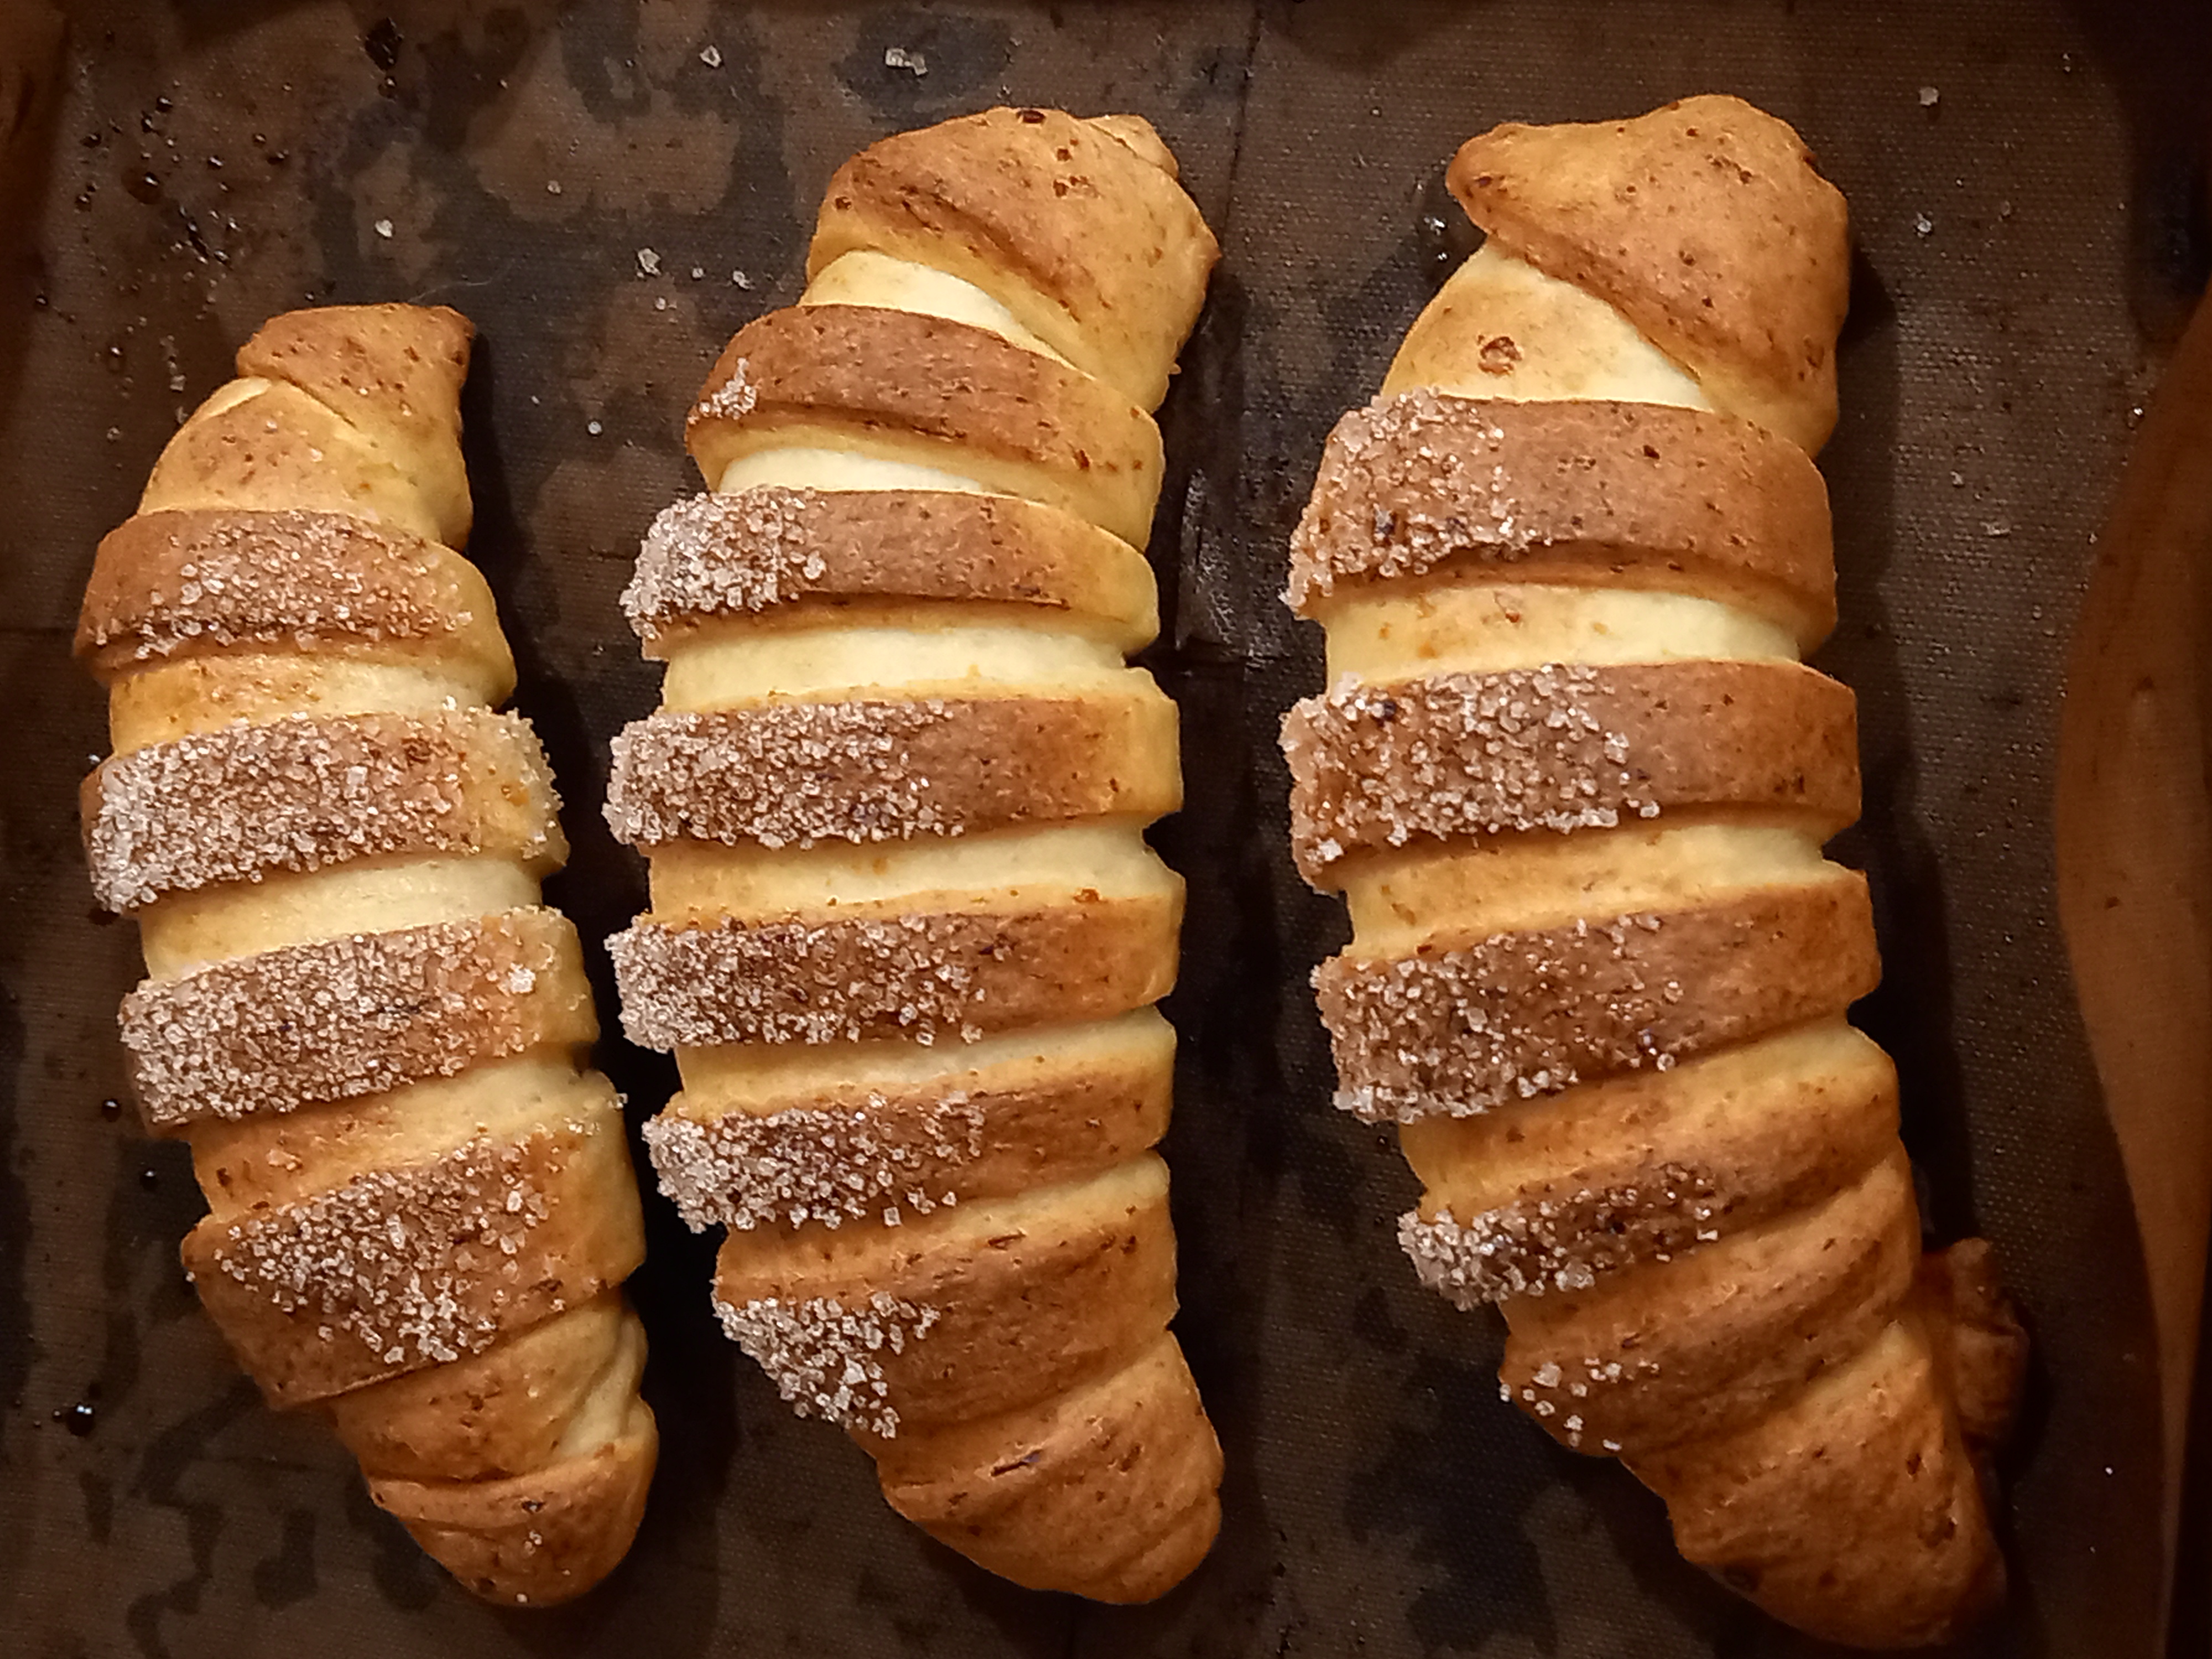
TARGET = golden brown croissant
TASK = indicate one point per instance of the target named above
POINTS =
(905, 933)
(1574, 780)
(357, 1011)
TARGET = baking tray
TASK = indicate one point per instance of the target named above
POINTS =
(2028, 238)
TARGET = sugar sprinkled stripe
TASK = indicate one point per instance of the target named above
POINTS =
(1461, 1029)
(405, 1260)
(231, 578)
(1513, 1017)
(336, 1019)
(733, 400)
(1532, 1245)
(827, 1358)
(783, 775)
(1387, 543)
(303, 793)
(721, 555)
(1455, 754)
(1427, 481)
(924, 976)
(793, 982)
(826, 1165)
(873, 769)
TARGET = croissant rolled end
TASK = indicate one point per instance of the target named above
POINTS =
(1854, 1512)
(1705, 224)
(1865, 1619)
(1978, 1336)
(1051, 1496)
(540, 1538)
(1079, 228)
(395, 373)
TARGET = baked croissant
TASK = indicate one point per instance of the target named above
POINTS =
(1574, 780)
(906, 934)
(357, 1011)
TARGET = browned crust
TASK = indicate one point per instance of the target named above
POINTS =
(360, 1259)
(962, 394)
(305, 793)
(1463, 1028)
(760, 549)
(1700, 1345)
(1577, 493)
(1563, 748)
(857, 1154)
(167, 584)
(1091, 244)
(871, 769)
(1703, 223)
(491, 1415)
(1854, 1513)
(1980, 1344)
(1109, 1491)
(922, 976)
(405, 1267)
(1632, 1170)
(393, 371)
(992, 1322)
(340, 1018)
(540, 1539)
(984, 184)
(275, 1160)
(277, 448)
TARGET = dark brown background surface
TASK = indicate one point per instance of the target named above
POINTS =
(2026, 245)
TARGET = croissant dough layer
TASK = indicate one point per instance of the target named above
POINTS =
(358, 1012)
(1573, 780)
(906, 934)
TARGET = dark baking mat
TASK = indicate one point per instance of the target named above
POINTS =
(609, 190)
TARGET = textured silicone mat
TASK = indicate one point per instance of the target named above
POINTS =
(608, 189)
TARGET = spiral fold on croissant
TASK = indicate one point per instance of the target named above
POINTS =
(906, 934)
(357, 1011)
(1574, 781)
